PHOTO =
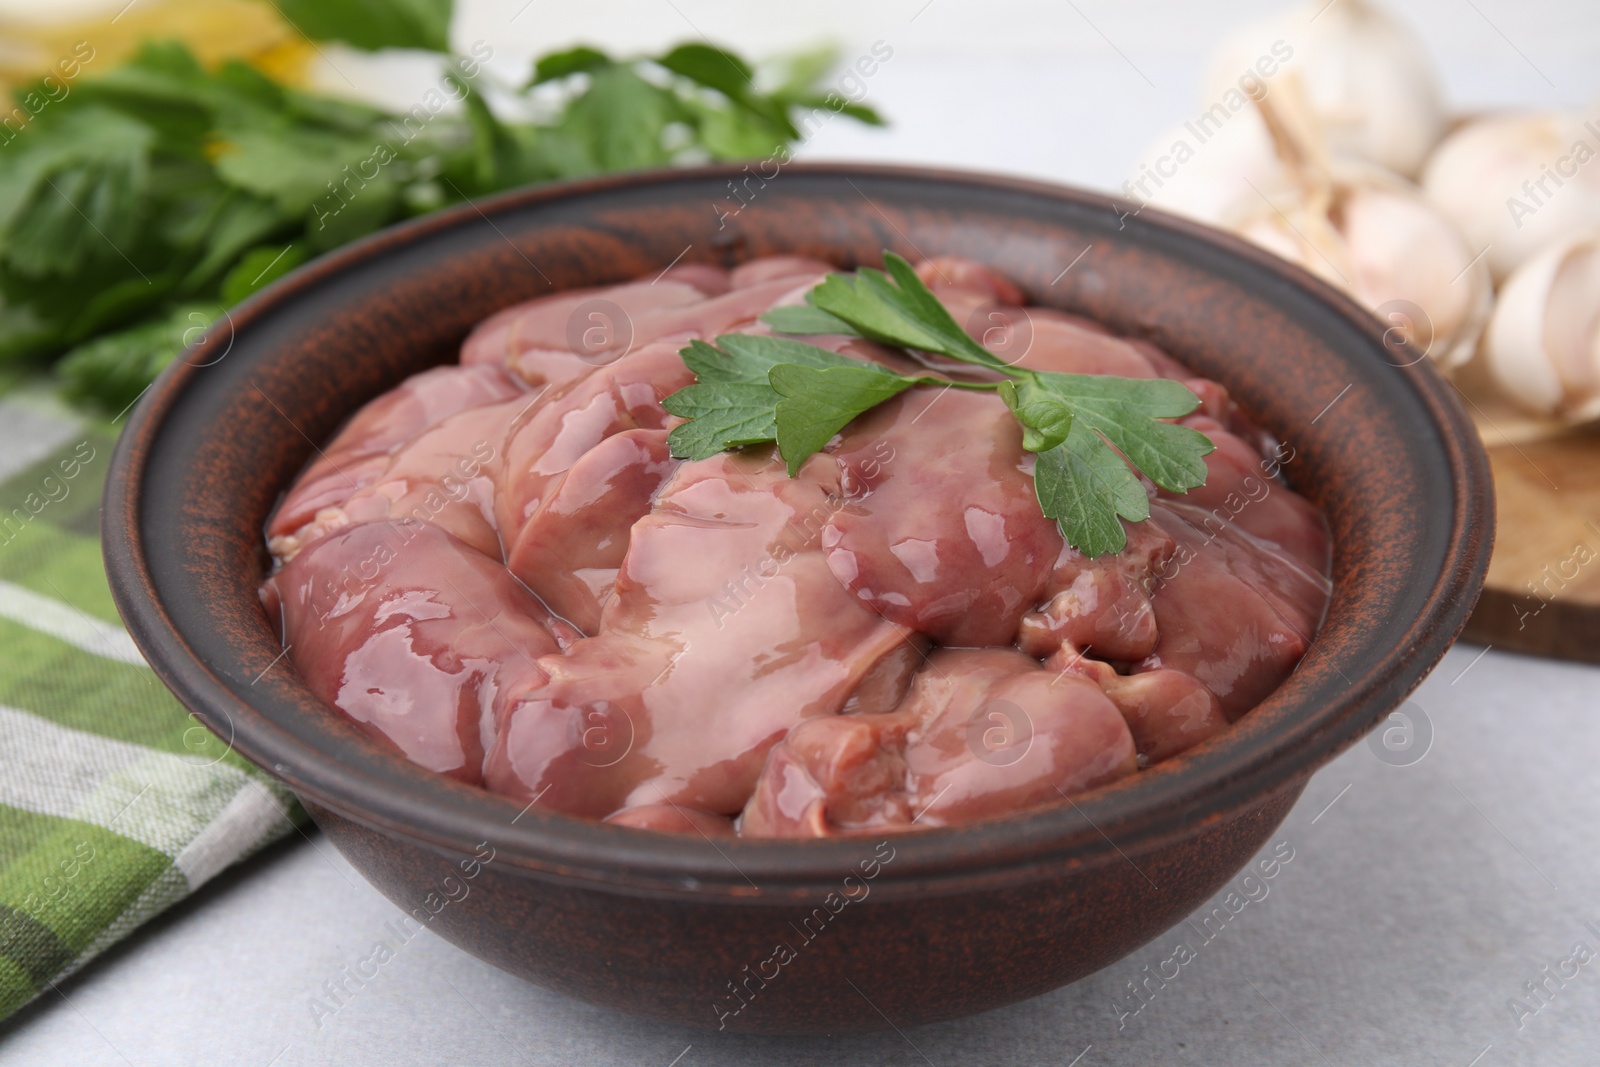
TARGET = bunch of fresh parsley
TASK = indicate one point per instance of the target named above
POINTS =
(752, 390)
(140, 206)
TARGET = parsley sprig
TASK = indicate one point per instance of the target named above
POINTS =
(752, 390)
(160, 191)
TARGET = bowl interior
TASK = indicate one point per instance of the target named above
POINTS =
(1382, 448)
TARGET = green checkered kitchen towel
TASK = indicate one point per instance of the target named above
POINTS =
(114, 802)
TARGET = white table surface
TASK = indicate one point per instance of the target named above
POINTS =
(1420, 898)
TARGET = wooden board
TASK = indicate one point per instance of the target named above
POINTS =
(1542, 595)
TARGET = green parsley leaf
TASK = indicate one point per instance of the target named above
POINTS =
(803, 318)
(117, 367)
(1085, 486)
(712, 364)
(373, 24)
(711, 67)
(163, 87)
(707, 65)
(1076, 424)
(819, 403)
(622, 120)
(23, 333)
(163, 184)
(75, 193)
(292, 168)
(1046, 419)
(259, 268)
(752, 389)
(1128, 412)
(798, 73)
(578, 60)
(750, 357)
(240, 223)
(907, 314)
(724, 415)
(731, 132)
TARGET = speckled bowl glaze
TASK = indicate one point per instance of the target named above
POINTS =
(950, 921)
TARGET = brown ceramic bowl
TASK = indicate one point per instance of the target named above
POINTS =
(959, 920)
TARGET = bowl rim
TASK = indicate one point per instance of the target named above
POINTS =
(1142, 812)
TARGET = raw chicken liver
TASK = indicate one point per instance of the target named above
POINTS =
(500, 569)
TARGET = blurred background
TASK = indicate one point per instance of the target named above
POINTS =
(1092, 81)
(1084, 92)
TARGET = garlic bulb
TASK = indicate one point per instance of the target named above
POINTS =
(1543, 344)
(1516, 183)
(1370, 232)
(1374, 235)
(1201, 173)
(1365, 75)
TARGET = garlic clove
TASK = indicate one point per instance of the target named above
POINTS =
(1388, 252)
(1282, 239)
(1354, 224)
(1365, 75)
(1401, 250)
(1543, 342)
(1572, 313)
(1516, 183)
(1292, 222)
(1374, 235)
